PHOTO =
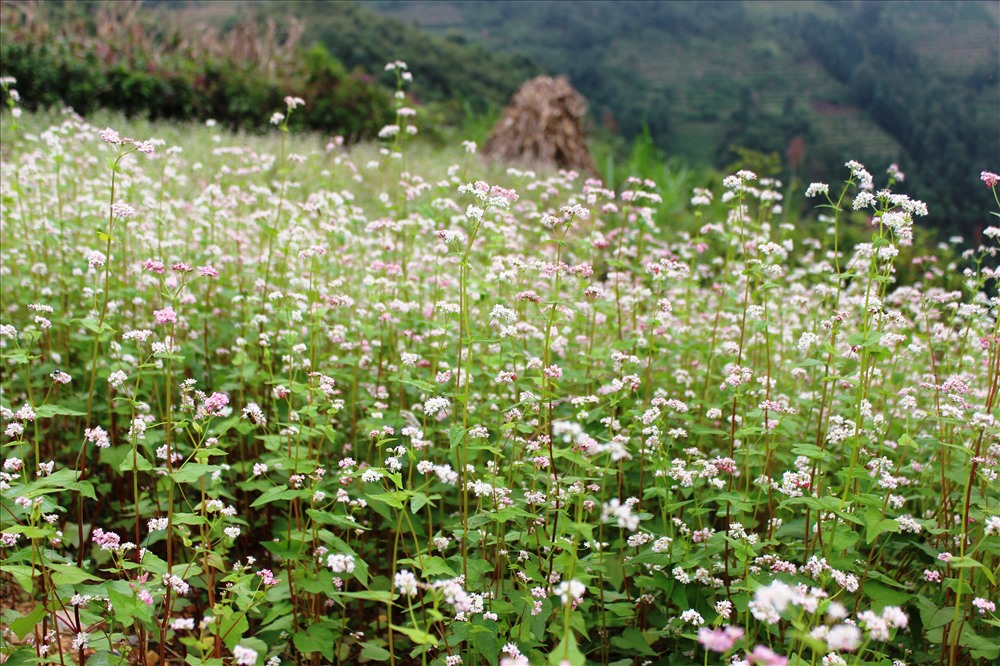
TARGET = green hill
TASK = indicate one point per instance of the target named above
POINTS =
(463, 74)
(815, 83)
(909, 82)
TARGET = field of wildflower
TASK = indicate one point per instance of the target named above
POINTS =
(276, 400)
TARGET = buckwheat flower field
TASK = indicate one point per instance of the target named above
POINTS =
(271, 401)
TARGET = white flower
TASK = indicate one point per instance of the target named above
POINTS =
(340, 563)
(244, 656)
(570, 590)
(434, 405)
(117, 379)
(815, 189)
(843, 638)
(620, 513)
(253, 413)
(406, 583)
(692, 616)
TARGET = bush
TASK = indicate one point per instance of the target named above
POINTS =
(177, 87)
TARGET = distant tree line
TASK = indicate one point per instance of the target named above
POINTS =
(949, 133)
(86, 59)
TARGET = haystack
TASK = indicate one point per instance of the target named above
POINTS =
(542, 127)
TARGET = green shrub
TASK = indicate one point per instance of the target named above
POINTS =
(176, 87)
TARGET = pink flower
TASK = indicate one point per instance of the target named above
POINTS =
(267, 578)
(984, 605)
(98, 436)
(990, 178)
(553, 371)
(110, 136)
(152, 266)
(215, 403)
(145, 147)
(165, 316)
(122, 209)
(719, 640)
(766, 657)
(106, 540)
(208, 271)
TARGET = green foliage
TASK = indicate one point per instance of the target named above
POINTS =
(763, 164)
(456, 73)
(172, 85)
(869, 81)
(416, 480)
(941, 121)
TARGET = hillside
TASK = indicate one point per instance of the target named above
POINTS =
(463, 75)
(811, 84)
(704, 76)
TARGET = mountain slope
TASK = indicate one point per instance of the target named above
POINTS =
(909, 82)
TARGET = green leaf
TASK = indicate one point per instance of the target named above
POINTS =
(135, 461)
(23, 625)
(231, 627)
(21, 656)
(48, 411)
(633, 642)
(374, 652)
(418, 636)
(812, 452)
(383, 596)
(980, 646)
(432, 567)
(394, 499)
(567, 650)
(328, 518)
(864, 339)
(91, 324)
(486, 642)
(883, 595)
(68, 574)
(419, 500)
(275, 494)
(188, 519)
(455, 436)
(315, 639)
(124, 606)
(875, 525)
(22, 573)
(968, 562)
(257, 645)
(192, 472)
(420, 384)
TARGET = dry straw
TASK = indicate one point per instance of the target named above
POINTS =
(543, 127)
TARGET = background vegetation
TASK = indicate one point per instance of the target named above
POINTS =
(127, 57)
(818, 83)
(807, 85)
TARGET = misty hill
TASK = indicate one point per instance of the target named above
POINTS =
(815, 83)
(909, 82)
